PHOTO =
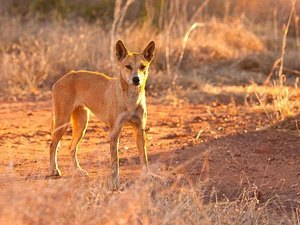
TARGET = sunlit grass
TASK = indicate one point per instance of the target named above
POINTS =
(163, 199)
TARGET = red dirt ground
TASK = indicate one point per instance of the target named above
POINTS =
(219, 145)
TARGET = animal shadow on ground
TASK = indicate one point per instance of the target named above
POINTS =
(266, 162)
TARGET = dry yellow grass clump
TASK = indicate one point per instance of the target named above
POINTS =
(230, 40)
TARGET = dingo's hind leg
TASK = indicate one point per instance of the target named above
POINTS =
(80, 117)
(60, 126)
(62, 115)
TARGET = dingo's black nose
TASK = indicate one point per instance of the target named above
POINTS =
(136, 80)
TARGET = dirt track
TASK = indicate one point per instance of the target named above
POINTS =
(218, 144)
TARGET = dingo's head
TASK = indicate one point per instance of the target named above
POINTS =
(134, 66)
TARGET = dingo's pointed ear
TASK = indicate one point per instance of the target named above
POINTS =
(149, 51)
(121, 51)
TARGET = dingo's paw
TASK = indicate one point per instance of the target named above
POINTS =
(81, 173)
(114, 184)
(55, 173)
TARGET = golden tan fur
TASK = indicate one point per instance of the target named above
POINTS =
(115, 101)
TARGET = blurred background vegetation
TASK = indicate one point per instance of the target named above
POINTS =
(201, 44)
(93, 10)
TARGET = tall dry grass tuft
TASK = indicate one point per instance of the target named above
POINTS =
(283, 106)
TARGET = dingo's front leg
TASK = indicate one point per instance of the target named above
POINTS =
(141, 145)
(114, 146)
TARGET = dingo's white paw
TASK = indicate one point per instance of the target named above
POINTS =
(81, 173)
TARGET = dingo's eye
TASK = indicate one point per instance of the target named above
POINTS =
(142, 67)
(128, 67)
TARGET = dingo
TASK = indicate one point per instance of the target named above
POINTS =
(115, 101)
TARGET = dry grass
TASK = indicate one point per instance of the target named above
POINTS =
(34, 54)
(148, 200)
(34, 57)
(277, 102)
